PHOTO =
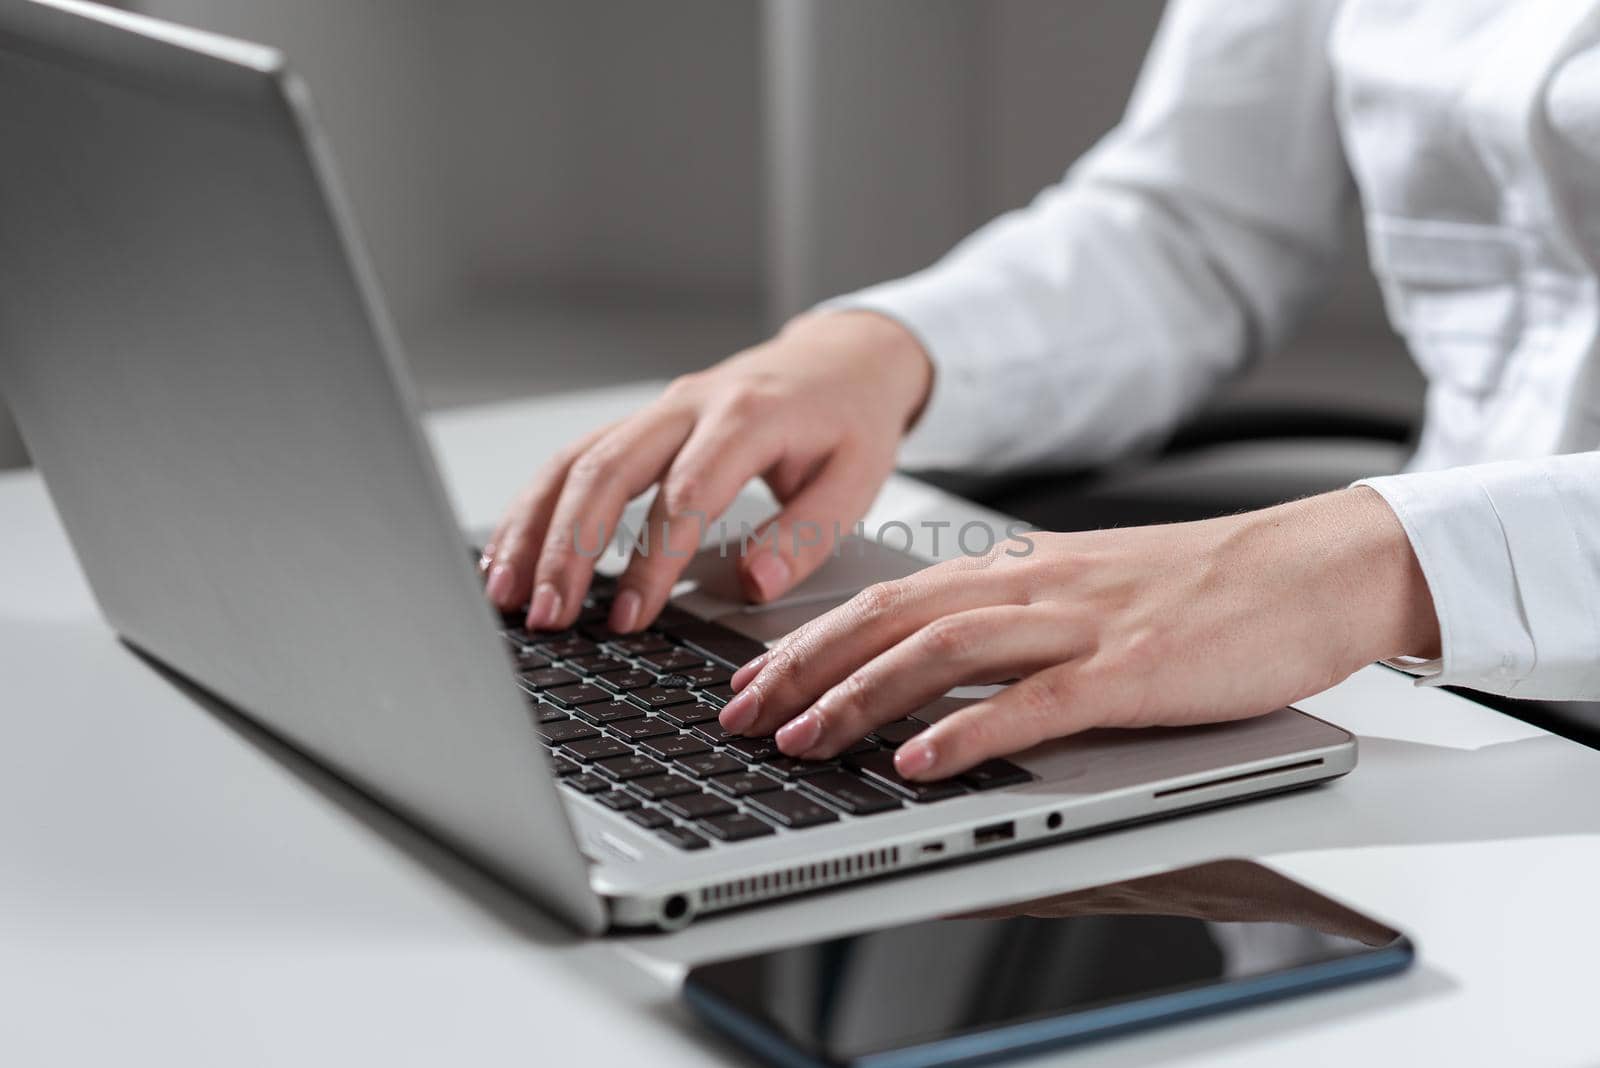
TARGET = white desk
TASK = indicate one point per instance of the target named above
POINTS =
(174, 890)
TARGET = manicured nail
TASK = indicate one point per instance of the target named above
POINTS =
(914, 758)
(625, 612)
(742, 677)
(546, 606)
(769, 573)
(502, 581)
(800, 734)
(740, 712)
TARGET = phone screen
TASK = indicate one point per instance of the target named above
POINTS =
(1203, 927)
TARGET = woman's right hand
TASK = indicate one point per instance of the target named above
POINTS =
(817, 412)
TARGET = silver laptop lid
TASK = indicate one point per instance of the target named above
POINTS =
(196, 354)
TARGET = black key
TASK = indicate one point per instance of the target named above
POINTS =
(599, 664)
(683, 838)
(993, 774)
(618, 800)
(675, 682)
(544, 712)
(673, 746)
(601, 583)
(565, 767)
(567, 730)
(707, 676)
(638, 729)
(673, 659)
(628, 768)
(697, 806)
(712, 732)
(591, 749)
(565, 647)
(753, 749)
(528, 660)
(650, 819)
(718, 642)
(792, 809)
(662, 786)
(865, 745)
(899, 732)
(735, 827)
(744, 784)
(689, 715)
(639, 644)
(614, 709)
(547, 678)
(516, 635)
(792, 768)
(880, 767)
(657, 697)
(718, 695)
(623, 681)
(708, 764)
(843, 790)
(672, 617)
(586, 783)
(581, 694)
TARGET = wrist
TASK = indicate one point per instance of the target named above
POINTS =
(1374, 581)
(1343, 560)
(879, 347)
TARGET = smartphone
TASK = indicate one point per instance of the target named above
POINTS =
(1006, 981)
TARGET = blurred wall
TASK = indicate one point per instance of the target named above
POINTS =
(562, 192)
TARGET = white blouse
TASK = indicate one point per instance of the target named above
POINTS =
(1191, 239)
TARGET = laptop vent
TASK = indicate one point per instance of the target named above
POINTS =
(798, 879)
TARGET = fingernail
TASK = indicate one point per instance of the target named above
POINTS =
(769, 574)
(502, 581)
(799, 735)
(742, 677)
(914, 758)
(546, 606)
(625, 611)
(740, 712)
(486, 559)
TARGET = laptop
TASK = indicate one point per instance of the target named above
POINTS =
(197, 354)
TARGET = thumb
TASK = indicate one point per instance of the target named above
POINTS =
(786, 549)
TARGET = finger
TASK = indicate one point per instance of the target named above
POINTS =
(748, 672)
(599, 485)
(514, 546)
(821, 653)
(719, 457)
(1046, 705)
(666, 545)
(953, 650)
(795, 542)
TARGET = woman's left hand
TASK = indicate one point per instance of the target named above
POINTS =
(1136, 627)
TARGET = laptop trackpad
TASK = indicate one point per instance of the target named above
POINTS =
(710, 587)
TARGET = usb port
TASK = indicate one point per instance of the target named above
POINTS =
(995, 832)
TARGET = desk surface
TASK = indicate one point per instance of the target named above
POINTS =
(175, 889)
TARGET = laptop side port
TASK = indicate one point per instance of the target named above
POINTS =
(994, 832)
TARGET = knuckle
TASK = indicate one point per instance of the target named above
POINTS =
(680, 492)
(684, 386)
(598, 464)
(879, 601)
(848, 702)
(779, 674)
(1040, 700)
(747, 400)
(947, 639)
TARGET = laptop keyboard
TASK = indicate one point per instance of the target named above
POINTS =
(631, 724)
